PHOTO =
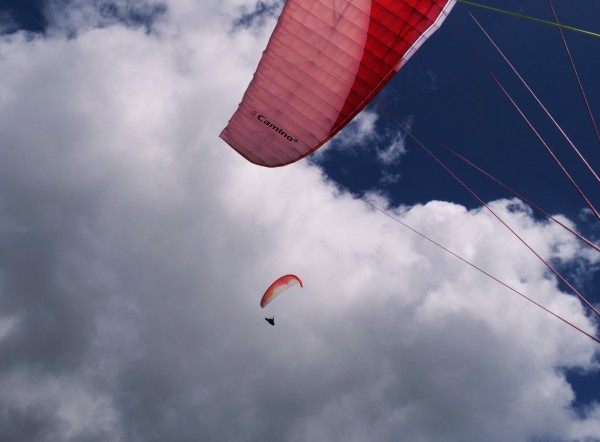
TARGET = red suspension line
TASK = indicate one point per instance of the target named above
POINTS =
(583, 94)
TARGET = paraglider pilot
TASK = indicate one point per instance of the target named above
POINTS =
(271, 320)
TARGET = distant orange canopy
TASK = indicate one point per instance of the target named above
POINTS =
(280, 285)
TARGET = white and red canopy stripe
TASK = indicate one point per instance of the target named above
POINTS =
(281, 284)
(324, 62)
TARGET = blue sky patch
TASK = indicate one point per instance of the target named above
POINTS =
(256, 17)
(30, 15)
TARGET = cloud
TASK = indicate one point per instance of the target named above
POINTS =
(434, 80)
(390, 155)
(359, 134)
(363, 134)
(135, 246)
(7, 22)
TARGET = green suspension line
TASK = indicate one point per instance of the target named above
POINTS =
(570, 28)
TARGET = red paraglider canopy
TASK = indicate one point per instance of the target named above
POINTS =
(325, 61)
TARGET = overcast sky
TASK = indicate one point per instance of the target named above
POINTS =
(135, 246)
